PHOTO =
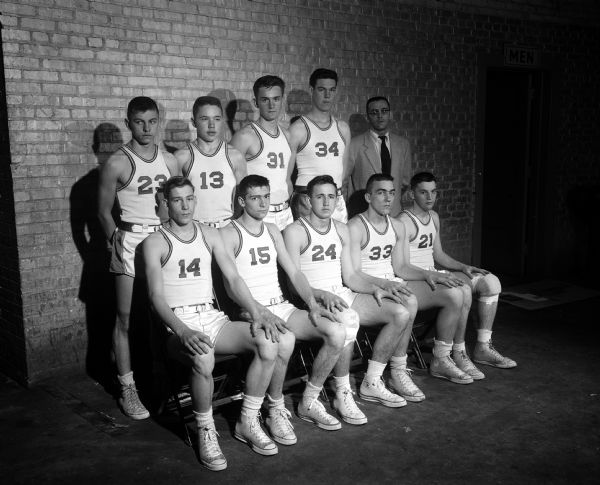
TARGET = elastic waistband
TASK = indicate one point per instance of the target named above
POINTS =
(131, 227)
(276, 301)
(200, 307)
(217, 224)
(279, 207)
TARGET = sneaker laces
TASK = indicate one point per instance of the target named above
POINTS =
(319, 410)
(347, 396)
(404, 376)
(468, 364)
(209, 439)
(131, 399)
(494, 352)
(281, 417)
(257, 432)
(385, 392)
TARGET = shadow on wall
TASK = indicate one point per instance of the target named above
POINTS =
(96, 290)
(356, 204)
(582, 203)
(237, 111)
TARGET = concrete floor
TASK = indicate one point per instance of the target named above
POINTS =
(538, 423)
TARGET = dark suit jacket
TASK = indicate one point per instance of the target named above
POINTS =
(364, 161)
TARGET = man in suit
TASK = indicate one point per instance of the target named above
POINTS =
(377, 151)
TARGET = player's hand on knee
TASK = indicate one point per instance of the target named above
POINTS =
(398, 289)
(316, 312)
(472, 271)
(270, 323)
(379, 294)
(447, 280)
(195, 342)
(331, 301)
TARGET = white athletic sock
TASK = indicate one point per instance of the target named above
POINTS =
(374, 370)
(398, 363)
(458, 347)
(484, 336)
(441, 349)
(126, 379)
(275, 403)
(203, 419)
(311, 392)
(251, 405)
(342, 382)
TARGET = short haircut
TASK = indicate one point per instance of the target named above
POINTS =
(206, 101)
(377, 177)
(251, 182)
(377, 98)
(319, 180)
(174, 183)
(322, 73)
(268, 82)
(421, 177)
(140, 104)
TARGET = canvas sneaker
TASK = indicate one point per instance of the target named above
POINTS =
(279, 426)
(375, 391)
(401, 382)
(346, 407)
(249, 431)
(486, 354)
(315, 413)
(445, 368)
(464, 363)
(130, 403)
(209, 450)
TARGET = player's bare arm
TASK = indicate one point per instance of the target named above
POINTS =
(246, 142)
(346, 135)
(240, 167)
(294, 237)
(291, 162)
(114, 173)
(443, 259)
(260, 317)
(298, 135)
(154, 250)
(183, 158)
(172, 163)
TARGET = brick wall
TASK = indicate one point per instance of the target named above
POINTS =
(72, 65)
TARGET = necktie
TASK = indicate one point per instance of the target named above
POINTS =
(386, 159)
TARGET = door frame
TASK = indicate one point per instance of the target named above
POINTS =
(547, 181)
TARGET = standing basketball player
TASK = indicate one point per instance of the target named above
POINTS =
(133, 175)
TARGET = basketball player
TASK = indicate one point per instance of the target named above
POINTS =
(134, 176)
(178, 269)
(422, 225)
(213, 166)
(380, 249)
(320, 246)
(265, 146)
(257, 248)
(319, 141)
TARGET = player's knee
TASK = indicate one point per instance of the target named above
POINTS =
(489, 285)
(401, 315)
(334, 335)
(203, 364)
(286, 345)
(466, 296)
(266, 350)
(412, 305)
(351, 322)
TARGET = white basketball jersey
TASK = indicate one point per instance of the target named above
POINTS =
(321, 154)
(214, 183)
(376, 253)
(256, 261)
(186, 270)
(137, 196)
(272, 161)
(421, 245)
(320, 259)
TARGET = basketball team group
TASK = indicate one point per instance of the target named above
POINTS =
(239, 209)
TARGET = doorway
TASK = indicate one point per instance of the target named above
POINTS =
(512, 168)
